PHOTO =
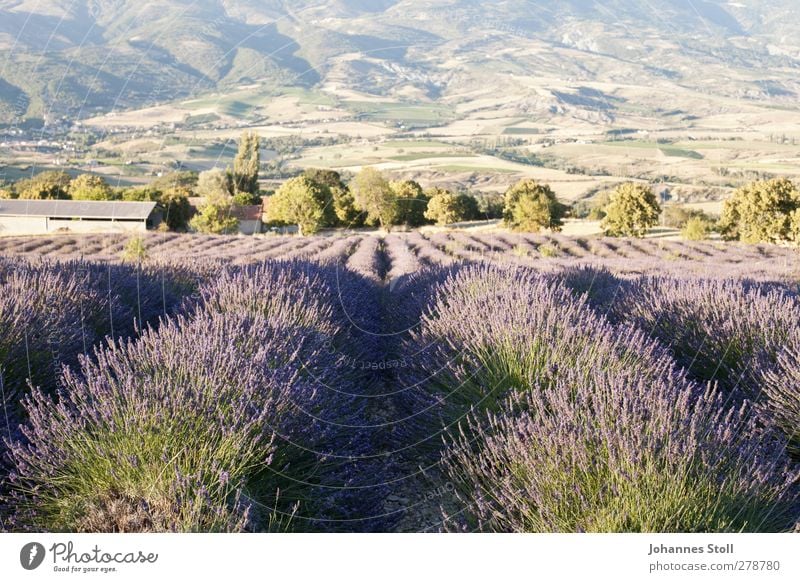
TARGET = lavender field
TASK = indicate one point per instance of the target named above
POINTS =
(409, 382)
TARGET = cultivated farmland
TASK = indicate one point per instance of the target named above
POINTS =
(399, 382)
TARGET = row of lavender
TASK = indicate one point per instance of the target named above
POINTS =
(242, 406)
(583, 402)
(439, 249)
(300, 396)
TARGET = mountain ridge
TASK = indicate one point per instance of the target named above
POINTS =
(69, 58)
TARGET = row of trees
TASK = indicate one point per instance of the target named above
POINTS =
(320, 198)
(765, 211)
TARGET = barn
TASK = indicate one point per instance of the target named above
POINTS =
(20, 217)
(249, 218)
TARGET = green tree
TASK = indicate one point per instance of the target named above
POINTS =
(412, 202)
(339, 205)
(246, 164)
(183, 181)
(761, 212)
(215, 217)
(468, 207)
(373, 195)
(6, 194)
(247, 199)
(173, 203)
(443, 208)
(794, 227)
(44, 186)
(490, 206)
(530, 207)
(299, 201)
(176, 208)
(344, 206)
(90, 187)
(632, 210)
(676, 216)
(214, 183)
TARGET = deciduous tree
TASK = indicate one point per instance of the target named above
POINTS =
(761, 212)
(373, 195)
(633, 209)
(531, 206)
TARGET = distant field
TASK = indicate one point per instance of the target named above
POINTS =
(438, 247)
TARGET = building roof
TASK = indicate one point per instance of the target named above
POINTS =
(77, 209)
(247, 212)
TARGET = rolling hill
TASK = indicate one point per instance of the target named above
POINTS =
(77, 59)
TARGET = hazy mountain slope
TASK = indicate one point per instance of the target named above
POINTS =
(72, 57)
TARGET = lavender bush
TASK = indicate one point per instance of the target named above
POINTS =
(610, 451)
(721, 330)
(52, 312)
(781, 384)
(204, 425)
(492, 329)
(181, 414)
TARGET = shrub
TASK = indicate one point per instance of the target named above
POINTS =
(215, 217)
(173, 202)
(548, 251)
(696, 229)
(135, 250)
(489, 330)
(374, 196)
(291, 295)
(530, 207)
(44, 186)
(600, 285)
(609, 451)
(761, 212)
(781, 384)
(412, 202)
(52, 313)
(632, 210)
(678, 216)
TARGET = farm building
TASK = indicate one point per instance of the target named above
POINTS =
(249, 218)
(19, 217)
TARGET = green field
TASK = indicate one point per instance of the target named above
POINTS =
(409, 114)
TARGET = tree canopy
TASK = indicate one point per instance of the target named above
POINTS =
(765, 211)
(302, 202)
(44, 186)
(246, 164)
(90, 187)
(412, 202)
(443, 207)
(633, 209)
(531, 206)
(373, 195)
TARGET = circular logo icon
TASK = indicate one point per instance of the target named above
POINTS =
(31, 556)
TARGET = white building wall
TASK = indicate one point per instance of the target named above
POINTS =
(94, 226)
(19, 225)
(23, 225)
(249, 226)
